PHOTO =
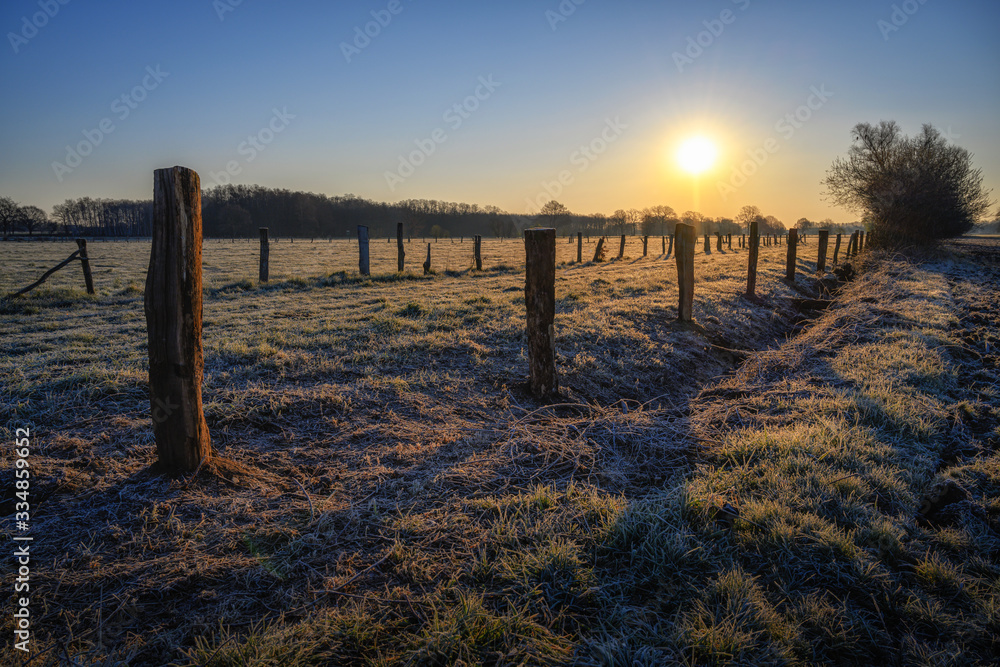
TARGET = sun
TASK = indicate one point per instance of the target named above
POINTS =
(697, 154)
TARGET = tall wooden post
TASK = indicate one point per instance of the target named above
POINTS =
(265, 251)
(670, 248)
(685, 270)
(427, 262)
(645, 246)
(793, 242)
(400, 252)
(862, 240)
(718, 241)
(752, 261)
(824, 241)
(836, 249)
(477, 251)
(621, 248)
(540, 301)
(579, 247)
(88, 277)
(708, 245)
(729, 241)
(363, 264)
(663, 250)
(173, 306)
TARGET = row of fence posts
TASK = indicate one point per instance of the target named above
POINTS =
(173, 308)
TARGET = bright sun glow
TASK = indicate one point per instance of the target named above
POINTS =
(696, 155)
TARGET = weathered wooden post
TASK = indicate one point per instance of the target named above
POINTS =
(363, 263)
(621, 248)
(862, 238)
(836, 249)
(824, 241)
(477, 251)
(729, 241)
(540, 302)
(793, 242)
(645, 246)
(88, 277)
(718, 241)
(752, 260)
(173, 307)
(685, 270)
(427, 262)
(663, 250)
(400, 252)
(265, 251)
(670, 248)
(579, 247)
(708, 245)
(599, 251)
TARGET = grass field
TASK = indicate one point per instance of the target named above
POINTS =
(708, 493)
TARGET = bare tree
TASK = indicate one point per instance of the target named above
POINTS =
(8, 214)
(911, 189)
(747, 215)
(32, 218)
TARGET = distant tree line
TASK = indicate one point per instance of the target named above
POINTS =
(240, 210)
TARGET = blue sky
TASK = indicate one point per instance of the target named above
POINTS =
(265, 89)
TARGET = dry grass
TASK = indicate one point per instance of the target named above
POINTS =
(397, 498)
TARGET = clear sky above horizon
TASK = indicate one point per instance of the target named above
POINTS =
(584, 103)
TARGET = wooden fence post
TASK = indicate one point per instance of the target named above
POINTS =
(540, 302)
(670, 248)
(752, 261)
(477, 251)
(363, 265)
(824, 241)
(836, 249)
(400, 252)
(599, 252)
(173, 307)
(685, 270)
(621, 248)
(729, 241)
(793, 241)
(579, 247)
(265, 251)
(427, 262)
(663, 251)
(88, 277)
(708, 245)
(718, 241)
(862, 238)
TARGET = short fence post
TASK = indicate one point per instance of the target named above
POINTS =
(599, 252)
(579, 247)
(477, 251)
(400, 252)
(836, 249)
(265, 251)
(793, 241)
(645, 246)
(824, 240)
(729, 241)
(708, 246)
(88, 277)
(861, 241)
(752, 261)
(670, 248)
(663, 251)
(363, 266)
(718, 241)
(173, 307)
(621, 248)
(685, 270)
(540, 303)
(427, 262)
